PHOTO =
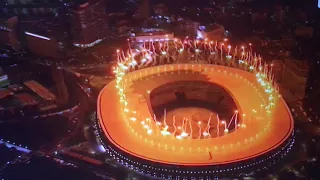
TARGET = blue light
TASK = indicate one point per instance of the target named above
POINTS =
(38, 36)
(25, 150)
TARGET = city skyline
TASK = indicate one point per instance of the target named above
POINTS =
(144, 89)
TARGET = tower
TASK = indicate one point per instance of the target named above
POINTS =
(88, 23)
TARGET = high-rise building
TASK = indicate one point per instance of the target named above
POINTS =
(38, 23)
(30, 7)
(54, 35)
(88, 23)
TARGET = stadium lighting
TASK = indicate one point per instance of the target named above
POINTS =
(182, 141)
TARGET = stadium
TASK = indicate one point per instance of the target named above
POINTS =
(184, 109)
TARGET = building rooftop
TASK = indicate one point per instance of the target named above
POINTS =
(5, 92)
(151, 31)
(26, 99)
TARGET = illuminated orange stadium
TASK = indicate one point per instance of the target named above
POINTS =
(163, 145)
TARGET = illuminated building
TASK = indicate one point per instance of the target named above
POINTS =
(151, 34)
(88, 23)
(168, 147)
(43, 46)
(44, 37)
(50, 36)
(40, 38)
(211, 31)
(31, 7)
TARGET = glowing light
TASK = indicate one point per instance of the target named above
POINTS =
(174, 125)
(207, 129)
(151, 54)
(165, 131)
(38, 36)
(200, 133)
